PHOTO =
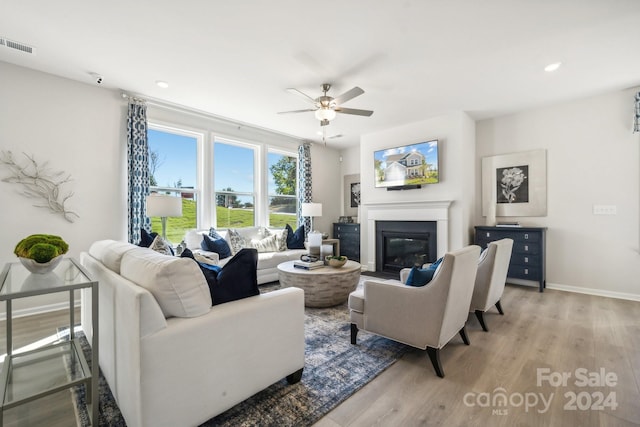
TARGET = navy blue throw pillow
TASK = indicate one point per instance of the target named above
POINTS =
(422, 276)
(146, 238)
(237, 279)
(219, 246)
(295, 240)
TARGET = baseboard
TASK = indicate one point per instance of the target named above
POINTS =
(38, 310)
(591, 291)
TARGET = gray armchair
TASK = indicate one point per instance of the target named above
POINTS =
(490, 280)
(425, 317)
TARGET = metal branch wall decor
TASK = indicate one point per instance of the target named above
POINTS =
(40, 183)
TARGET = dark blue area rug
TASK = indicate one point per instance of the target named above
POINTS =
(334, 370)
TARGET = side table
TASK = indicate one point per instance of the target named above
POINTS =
(30, 375)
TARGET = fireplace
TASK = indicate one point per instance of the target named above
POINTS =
(402, 244)
(436, 211)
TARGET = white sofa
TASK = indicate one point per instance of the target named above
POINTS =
(267, 261)
(166, 370)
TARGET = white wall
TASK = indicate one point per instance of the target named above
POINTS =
(592, 159)
(326, 184)
(456, 135)
(76, 128)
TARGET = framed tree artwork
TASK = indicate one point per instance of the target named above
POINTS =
(515, 184)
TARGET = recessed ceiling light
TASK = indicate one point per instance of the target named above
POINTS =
(552, 67)
(162, 84)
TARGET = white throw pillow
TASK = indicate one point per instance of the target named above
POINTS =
(177, 284)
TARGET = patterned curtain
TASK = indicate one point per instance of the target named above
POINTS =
(138, 169)
(304, 183)
(636, 119)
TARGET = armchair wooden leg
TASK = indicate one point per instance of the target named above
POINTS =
(354, 333)
(480, 316)
(499, 307)
(434, 355)
(463, 334)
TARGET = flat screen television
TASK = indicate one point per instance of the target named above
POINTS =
(407, 166)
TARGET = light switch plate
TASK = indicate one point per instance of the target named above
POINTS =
(605, 209)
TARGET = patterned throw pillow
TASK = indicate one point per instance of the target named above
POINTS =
(213, 233)
(237, 241)
(281, 240)
(268, 244)
(161, 246)
(264, 232)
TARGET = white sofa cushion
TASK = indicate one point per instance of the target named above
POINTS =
(176, 283)
(110, 252)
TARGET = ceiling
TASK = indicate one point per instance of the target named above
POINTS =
(414, 59)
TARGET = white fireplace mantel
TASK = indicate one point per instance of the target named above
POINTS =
(414, 210)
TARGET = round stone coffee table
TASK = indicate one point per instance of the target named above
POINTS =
(323, 287)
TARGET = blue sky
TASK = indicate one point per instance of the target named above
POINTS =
(234, 165)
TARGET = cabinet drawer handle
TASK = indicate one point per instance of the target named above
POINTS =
(488, 234)
(526, 259)
(526, 271)
(526, 235)
(526, 248)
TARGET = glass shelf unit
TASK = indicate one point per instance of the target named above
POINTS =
(30, 375)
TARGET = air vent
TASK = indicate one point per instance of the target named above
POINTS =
(17, 46)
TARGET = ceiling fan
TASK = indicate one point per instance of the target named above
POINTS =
(326, 107)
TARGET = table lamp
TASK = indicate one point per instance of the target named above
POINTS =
(314, 237)
(163, 205)
(310, 210)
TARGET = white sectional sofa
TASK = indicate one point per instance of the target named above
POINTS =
(267, 261)
(169, 357)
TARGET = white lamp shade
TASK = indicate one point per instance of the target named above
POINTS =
(163, 205)
(312, 209)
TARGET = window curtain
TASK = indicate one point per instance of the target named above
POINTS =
(304, 183)
(636, 119)
(138, 169)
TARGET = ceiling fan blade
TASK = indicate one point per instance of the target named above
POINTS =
(301, 94)
(297, 111)
(350, 94)
(354, 111)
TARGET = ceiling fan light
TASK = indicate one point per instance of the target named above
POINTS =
(325, 114)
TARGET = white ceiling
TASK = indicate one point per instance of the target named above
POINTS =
(414, 58)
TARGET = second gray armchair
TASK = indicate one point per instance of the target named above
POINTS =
(491, 278)
(426, 317)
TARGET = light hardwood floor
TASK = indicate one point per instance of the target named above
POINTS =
(557, 331)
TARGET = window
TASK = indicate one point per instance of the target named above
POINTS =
(173, 170)
(223, 182)
(282, 178)
(234, 179)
